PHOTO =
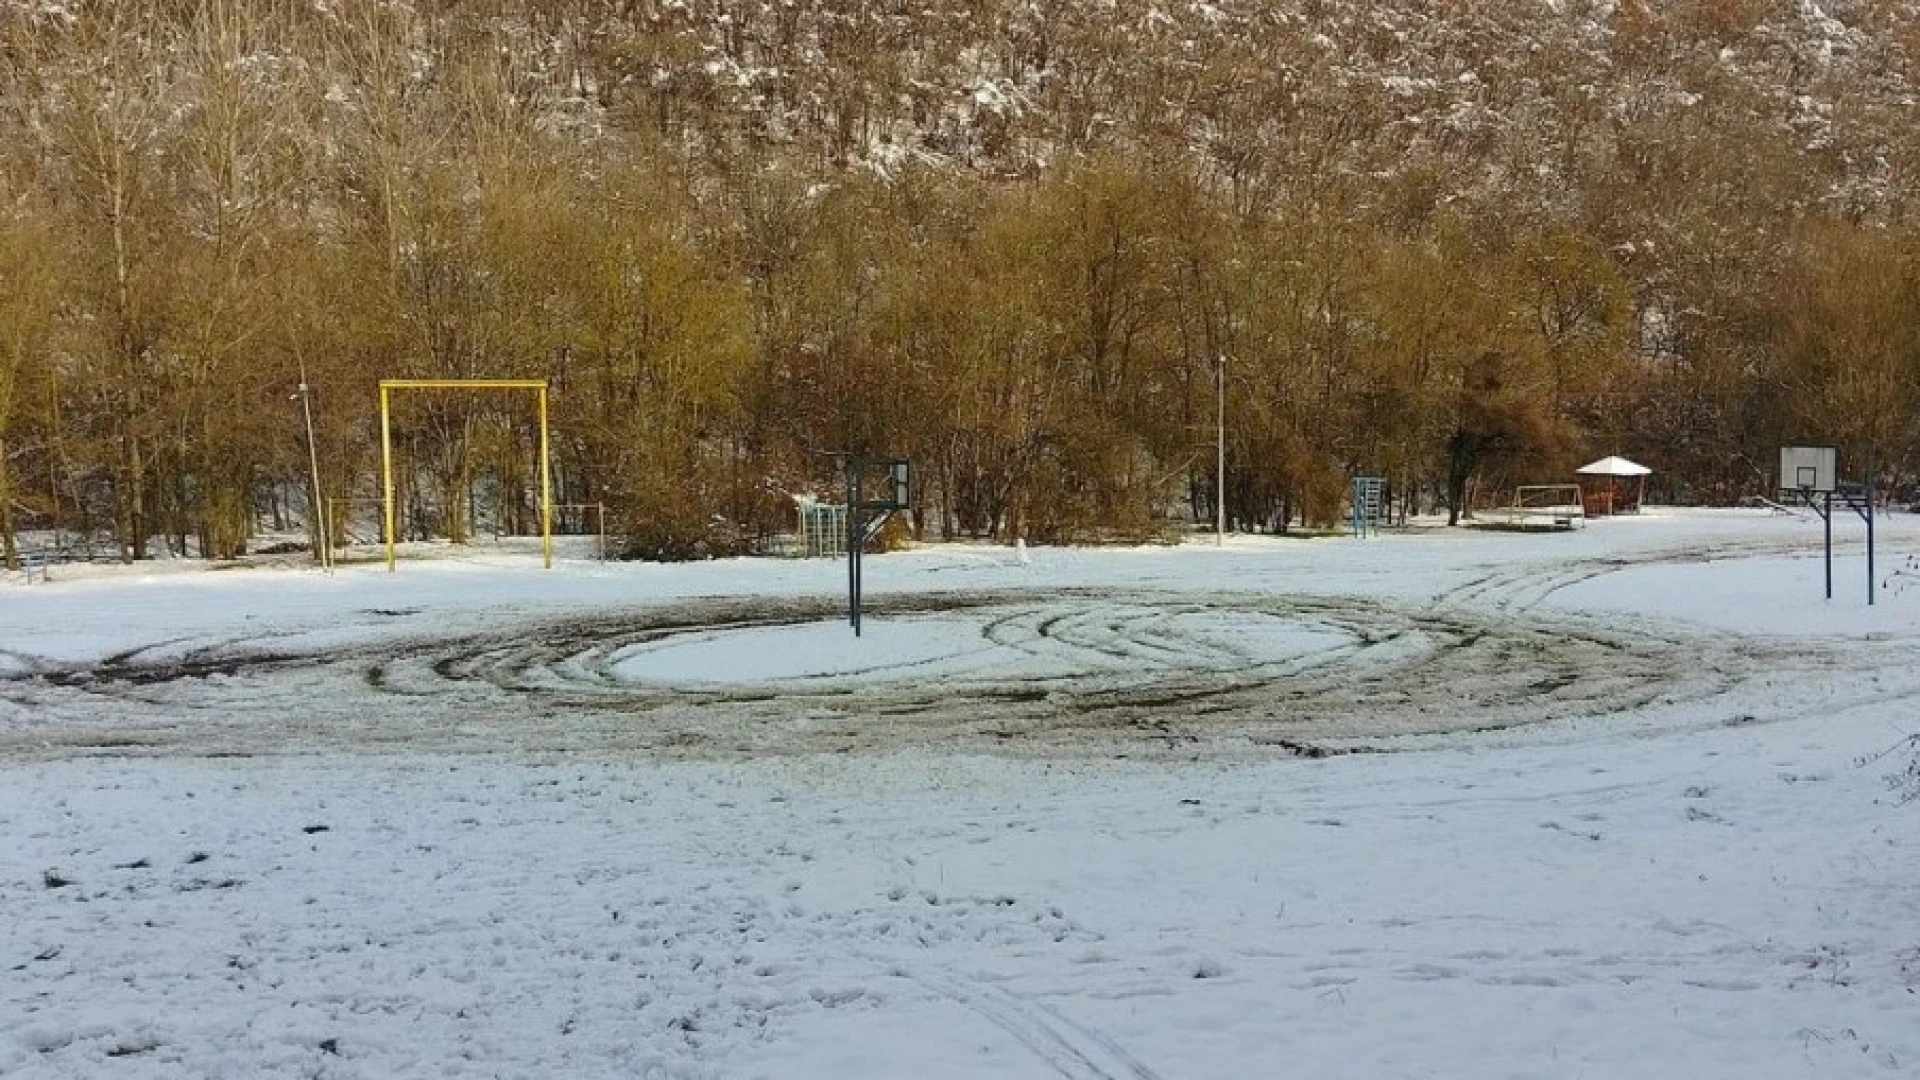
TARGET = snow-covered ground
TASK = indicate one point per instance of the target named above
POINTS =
(1084, 814)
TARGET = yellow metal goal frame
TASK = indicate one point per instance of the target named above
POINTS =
(387, 386)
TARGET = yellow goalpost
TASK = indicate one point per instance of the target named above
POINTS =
(387, 386)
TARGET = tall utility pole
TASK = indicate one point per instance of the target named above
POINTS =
(1220, 451)
(322, 535)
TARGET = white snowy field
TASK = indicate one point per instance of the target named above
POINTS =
(1444, 804)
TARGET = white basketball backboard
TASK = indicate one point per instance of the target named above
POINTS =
(1808, 468)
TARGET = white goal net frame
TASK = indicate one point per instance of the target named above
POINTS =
(1560, 505)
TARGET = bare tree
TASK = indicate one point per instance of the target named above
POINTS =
(107, 93)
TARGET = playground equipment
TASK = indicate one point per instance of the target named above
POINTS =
(1368, 502)
(823, 529)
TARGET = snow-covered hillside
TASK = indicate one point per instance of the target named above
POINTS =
(1495, 96)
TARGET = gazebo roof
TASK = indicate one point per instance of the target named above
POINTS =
(1614, 466)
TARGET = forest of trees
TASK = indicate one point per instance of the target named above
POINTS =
(1462, 245)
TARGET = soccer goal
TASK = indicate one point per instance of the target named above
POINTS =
(1555, 506)
(537, 386)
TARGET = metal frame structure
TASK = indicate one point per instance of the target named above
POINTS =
(823, 529)
(897, 473)
(1538, 501)
(1367, 501)
(1823, 462)
(387, 386)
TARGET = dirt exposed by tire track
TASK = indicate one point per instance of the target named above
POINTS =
(1102, 672)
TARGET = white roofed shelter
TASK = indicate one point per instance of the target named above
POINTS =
(1613, 485)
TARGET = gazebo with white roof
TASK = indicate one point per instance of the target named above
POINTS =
(1611, 492)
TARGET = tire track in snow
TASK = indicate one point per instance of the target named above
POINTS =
(1070, 1049)
(1524, 586)
(1094, 671)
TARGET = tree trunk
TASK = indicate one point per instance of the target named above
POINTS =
(136, 500)
(1463, 456)
(226, 516)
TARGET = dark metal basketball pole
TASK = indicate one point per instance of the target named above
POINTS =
(898, 473)
(853, 544)
(1861, 503)
(1827, 517)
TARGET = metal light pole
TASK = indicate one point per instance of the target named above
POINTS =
(1220, 451)
(322, 535)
